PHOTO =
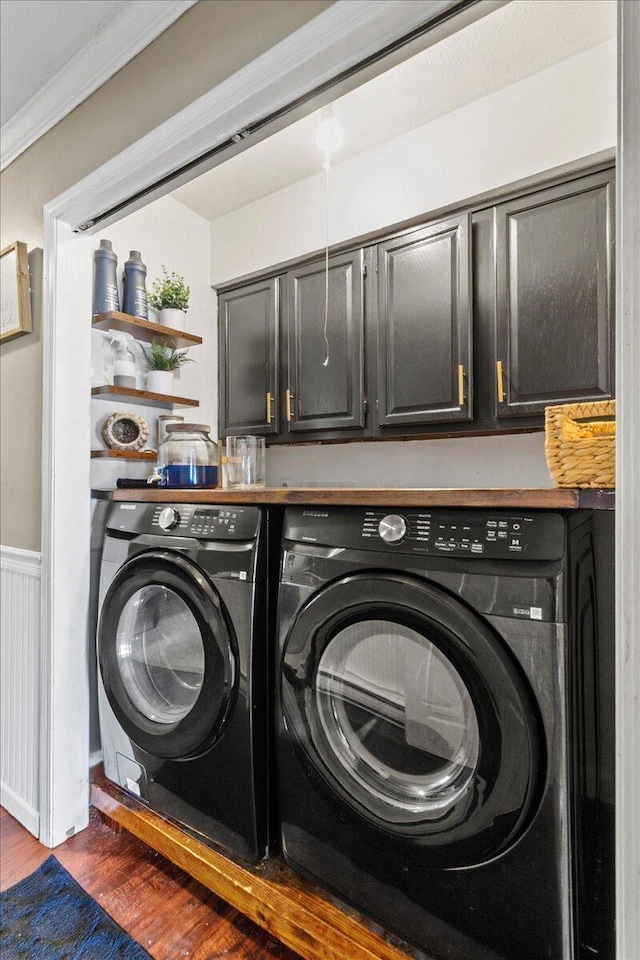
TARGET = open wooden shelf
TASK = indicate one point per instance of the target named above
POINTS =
(124, 454)
(143, 397)
(311, 922)
(144, 330)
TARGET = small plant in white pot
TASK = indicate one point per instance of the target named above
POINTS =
(162, 361)
(170, 297)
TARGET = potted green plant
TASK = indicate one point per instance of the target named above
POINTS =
(162, 361)
(170, 297)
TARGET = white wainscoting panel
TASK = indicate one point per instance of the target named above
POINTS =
(20, 685)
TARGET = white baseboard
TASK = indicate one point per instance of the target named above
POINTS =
(20, 809)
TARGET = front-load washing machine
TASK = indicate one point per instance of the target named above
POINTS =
(184, 663)
(438, 735)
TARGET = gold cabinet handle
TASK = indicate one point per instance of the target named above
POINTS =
(289, 397)
(461, 385)
(270, 413)
(500, 377)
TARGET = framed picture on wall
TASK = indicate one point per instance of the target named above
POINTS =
(15, 307)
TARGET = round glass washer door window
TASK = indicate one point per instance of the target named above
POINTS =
(395, 715)
(160, 654)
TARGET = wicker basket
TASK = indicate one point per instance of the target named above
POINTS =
(580, 444)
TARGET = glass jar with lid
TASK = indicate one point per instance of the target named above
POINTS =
(188, 457)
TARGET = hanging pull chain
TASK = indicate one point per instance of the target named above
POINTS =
(326, 165)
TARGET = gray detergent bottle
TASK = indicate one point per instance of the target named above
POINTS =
(134, 295)
(105, 281)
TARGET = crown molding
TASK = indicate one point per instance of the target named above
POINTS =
(89, 69)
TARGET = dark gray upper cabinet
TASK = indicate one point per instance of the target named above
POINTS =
(554, 296)
(424, 326)
(472, 324)
(325, 346)
(248, 321)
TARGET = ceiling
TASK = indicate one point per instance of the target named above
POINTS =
(39, 37)
(55, 53)
(508, 45)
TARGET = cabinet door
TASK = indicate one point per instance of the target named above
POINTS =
(424, 326)
(248, 328)
(325, 336)
(554, 275)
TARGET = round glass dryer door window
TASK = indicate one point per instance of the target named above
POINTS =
(398, 718)
(160, 654)
(411, 712)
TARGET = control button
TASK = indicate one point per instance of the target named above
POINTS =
(169, 518)
(515, 526)
(503, 524)
(392, 528)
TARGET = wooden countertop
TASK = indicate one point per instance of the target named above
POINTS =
(526, 497)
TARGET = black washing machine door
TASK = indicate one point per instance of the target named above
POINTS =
(415, 717)
(167, 655)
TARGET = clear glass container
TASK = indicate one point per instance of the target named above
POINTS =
(188, 458)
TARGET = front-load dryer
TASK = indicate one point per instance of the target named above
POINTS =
(435, 674)
(184, 667)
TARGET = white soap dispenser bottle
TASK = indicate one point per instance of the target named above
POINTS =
(124, 362)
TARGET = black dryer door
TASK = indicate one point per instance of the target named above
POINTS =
(167, 655)
(415, 716)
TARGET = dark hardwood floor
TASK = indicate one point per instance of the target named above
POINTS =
(166, 911)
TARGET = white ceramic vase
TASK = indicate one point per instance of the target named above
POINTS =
(170, 317)
(160, 381)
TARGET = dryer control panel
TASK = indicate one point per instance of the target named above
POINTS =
(468, 534)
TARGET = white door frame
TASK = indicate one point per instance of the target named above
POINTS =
(342, 36)
(628, 487)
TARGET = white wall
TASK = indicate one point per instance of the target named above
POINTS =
(165, 232)
(481, 462)
(561, 114)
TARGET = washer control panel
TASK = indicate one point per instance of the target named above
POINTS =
(494, 534)
(207, 523)
(202, 522)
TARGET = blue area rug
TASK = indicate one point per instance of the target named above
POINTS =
(48, 916)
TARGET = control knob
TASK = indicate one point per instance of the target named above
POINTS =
(392, 528)
(169, 518)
